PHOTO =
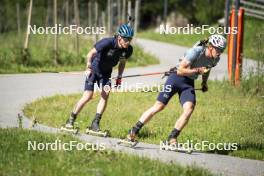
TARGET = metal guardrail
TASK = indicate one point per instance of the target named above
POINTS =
(253, 9)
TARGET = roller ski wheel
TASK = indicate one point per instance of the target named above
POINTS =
(175, 148)
(100, 133)
(70, 130)
(127, 143)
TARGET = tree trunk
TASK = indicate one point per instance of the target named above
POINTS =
(77, 22)
(103, 19)
(55, 20)
(124, 12)
(18, 19)
(109, 19)
(96, 18)
(28, 23)
(89, 13)
(67, 13)
(118, 12)
(136, 15)
(129, 11)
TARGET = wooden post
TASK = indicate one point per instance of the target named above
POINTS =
(234, 52)
(124, 12)
(56, 35)
(239, 56)
(77, 23)
(18, 19)
(109, 19)
(28, 23)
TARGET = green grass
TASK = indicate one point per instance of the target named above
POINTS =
(40, 54)
(252, 29)
(223, 115)
(16, 159)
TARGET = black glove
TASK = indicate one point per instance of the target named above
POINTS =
(204, 87)
(173, 69)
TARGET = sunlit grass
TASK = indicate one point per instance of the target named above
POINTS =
(223, 115)
(16, 159)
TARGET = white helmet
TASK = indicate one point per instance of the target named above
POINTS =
(218, 41)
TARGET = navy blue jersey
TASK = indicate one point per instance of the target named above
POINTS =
(108, 55)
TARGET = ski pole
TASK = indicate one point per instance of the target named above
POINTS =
(165, 73)
(198, 89)
(146, 74)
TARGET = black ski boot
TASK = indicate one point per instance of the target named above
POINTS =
(95, 123)
(69, 126)
(94, 129)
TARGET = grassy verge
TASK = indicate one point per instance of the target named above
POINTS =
(40, 54)
(223, 115)
(16, 159)
(252, 28)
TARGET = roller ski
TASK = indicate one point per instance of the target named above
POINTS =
(69, 127)
(74, 130)
(100, 133)
(169, 146)
(94, 129)
(130, 141)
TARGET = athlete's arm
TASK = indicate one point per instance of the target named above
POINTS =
(121, 67)
(90, 55)
(205, 76)
(185, 69)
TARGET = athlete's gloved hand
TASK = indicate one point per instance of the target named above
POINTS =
(204, 87)
(202, 70)
(118, 82)
(172, 70)
(88, 72)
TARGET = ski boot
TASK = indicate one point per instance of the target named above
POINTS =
(94, 130)
(130, 140)
(69, 126)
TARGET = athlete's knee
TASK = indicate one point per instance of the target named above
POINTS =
(188, 108)
(158, 106)
(105, 95)
(87, 96)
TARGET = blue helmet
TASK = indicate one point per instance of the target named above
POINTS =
(125, 31)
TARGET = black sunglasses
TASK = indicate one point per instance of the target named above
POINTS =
(219, 50)
(127, 39)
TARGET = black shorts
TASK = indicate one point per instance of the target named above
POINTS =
(182, 85)
(95, 78)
